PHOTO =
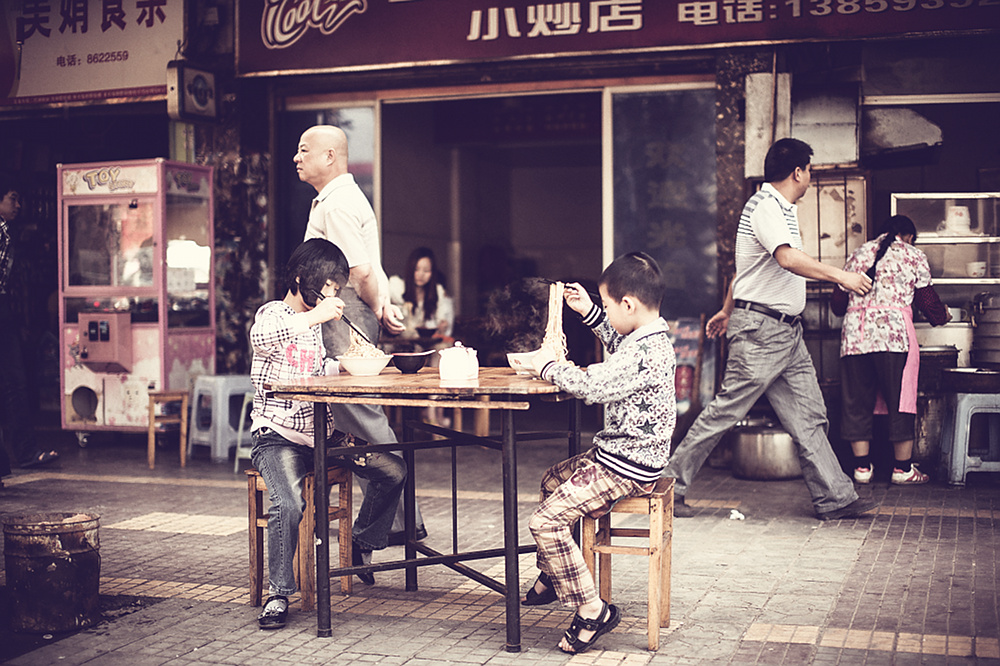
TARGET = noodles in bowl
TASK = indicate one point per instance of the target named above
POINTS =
(362, 358)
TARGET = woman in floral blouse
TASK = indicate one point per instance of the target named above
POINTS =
(879, 352)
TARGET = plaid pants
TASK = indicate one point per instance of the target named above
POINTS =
(571, 489)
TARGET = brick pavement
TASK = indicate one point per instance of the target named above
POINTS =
(916, 583)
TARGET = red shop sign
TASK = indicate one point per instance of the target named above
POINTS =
(288, 36)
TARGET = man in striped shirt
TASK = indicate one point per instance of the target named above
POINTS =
(761, 318)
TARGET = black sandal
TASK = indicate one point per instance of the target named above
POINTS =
(599, 628)
(40, 458)
(533, 598)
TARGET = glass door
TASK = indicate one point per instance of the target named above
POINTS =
(660, 189)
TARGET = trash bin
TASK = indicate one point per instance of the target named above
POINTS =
(53, 567)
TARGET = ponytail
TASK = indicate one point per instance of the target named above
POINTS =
(895, 226)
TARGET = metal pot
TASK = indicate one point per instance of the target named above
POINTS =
(970, 380)
(932, 361)
(958, 335)
(986, 339)
(765, 453)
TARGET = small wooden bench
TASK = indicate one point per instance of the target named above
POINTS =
(155, 419)
(597, 535)
(305, 552)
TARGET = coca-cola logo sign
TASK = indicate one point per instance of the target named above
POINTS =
(284, 22)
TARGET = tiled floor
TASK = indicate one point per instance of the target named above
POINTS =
(915, 582)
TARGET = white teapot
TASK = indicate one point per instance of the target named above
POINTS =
(459, 363)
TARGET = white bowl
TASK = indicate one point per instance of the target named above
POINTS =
(521, 362)
(361, 366)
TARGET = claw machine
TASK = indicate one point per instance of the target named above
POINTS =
(136, 288)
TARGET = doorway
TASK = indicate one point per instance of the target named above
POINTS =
(515, 184)
(499, 188)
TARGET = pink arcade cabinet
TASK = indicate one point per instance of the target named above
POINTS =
(136, 288)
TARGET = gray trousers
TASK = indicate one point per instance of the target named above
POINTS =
(368, 422)
(768, 357)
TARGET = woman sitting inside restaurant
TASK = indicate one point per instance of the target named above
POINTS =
(427, 309)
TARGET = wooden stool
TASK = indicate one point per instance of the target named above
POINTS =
(305, 552)
(164, 397)
(597, 535)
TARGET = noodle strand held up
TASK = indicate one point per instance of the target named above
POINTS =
(555, 337)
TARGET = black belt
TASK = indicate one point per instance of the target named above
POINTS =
(791, 320)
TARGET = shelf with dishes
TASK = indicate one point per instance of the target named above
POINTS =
(958, 232)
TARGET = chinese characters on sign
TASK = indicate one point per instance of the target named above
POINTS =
(87, 49)
(74, 14)
(714, 12)
(557, 18)
(276, 36)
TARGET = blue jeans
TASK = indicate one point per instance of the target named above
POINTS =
(284, 465)
(768, 357)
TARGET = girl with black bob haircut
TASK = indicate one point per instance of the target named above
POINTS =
(312, 263)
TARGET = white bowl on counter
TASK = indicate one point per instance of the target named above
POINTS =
(364, 366)
(521, 362)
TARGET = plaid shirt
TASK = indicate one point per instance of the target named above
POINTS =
(6, 256)
(285, 348)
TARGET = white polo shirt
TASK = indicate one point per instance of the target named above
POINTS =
(768, 221)
(342, 215)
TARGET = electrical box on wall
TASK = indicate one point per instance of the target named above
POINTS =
(106, 341)
(191, 93)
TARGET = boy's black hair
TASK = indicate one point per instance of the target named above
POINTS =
(783, 157)
(635, 274)
(313, 263)
(8, 184)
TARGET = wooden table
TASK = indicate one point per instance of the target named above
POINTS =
(505, 392)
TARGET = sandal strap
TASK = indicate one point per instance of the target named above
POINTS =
(588, 624)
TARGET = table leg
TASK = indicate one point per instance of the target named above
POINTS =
(322, 503)
(409, 500)
(575, 417)
(513, 579)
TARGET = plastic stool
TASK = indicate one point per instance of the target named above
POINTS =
(955, 435)
(243, 452)
(214, 418)
(162, 398)
(597, 535)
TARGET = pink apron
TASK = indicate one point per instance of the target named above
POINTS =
(908, 389)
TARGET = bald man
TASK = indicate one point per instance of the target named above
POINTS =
(342, 215)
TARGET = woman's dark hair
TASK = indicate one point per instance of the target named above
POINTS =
(897, 225)
(635, 274)
(783, 157)
(430, 289)
(313, 263)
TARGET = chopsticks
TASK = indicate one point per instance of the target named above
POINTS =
(345, 319)
(594, 297)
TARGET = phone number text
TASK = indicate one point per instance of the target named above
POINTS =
(74, 60)
(713, 12)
